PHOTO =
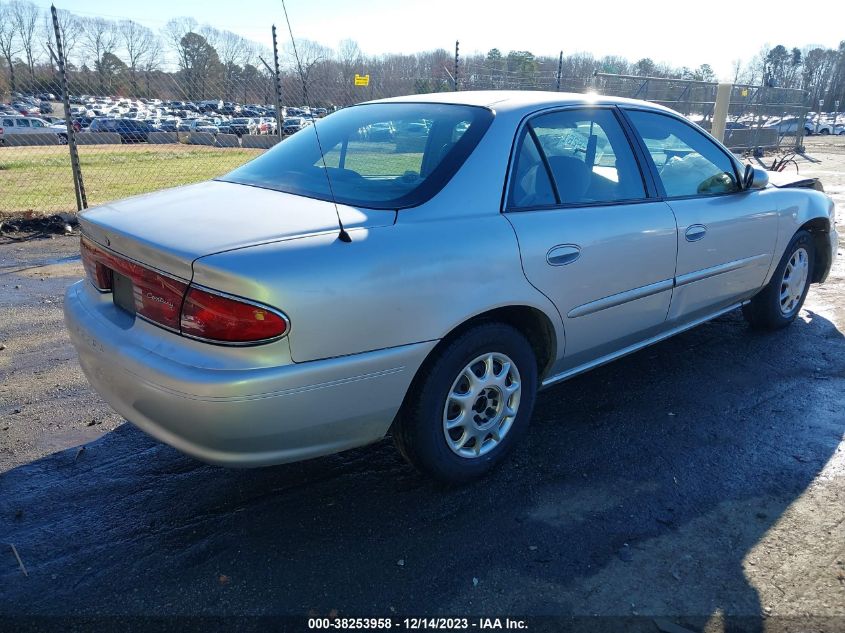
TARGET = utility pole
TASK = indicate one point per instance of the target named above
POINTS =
(559, 69)
(457, 61)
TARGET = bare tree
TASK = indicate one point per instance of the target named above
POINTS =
(70, 30)
(174, 33)
(99, 38)
(306, 56)
(9, 46)
(137, 41)
(151, 62)
(350, 58)
(234, 53)
(25, 18)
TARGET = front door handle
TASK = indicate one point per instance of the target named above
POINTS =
(695, 232)
(563, 254)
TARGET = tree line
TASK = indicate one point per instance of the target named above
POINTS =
(190, 61)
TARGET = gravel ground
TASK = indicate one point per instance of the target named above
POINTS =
(698, 481)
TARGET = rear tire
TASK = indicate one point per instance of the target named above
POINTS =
(456, 428)
(780, 301)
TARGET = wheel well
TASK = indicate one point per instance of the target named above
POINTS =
(531, 322)
(819, 229)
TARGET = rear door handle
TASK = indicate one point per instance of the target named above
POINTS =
(695, 232)
(563, 254)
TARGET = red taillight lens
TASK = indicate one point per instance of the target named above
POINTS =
(162, 300)
(215, 317)
(155, 296)
(96, 271)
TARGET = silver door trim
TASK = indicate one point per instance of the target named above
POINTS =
(622, 297)
(569, 373)
(705, 273)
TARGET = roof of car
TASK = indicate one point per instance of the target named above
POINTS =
(503, 100)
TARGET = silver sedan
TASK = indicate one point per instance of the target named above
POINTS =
(428, 283)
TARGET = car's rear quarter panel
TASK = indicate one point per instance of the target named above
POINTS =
(390, 286)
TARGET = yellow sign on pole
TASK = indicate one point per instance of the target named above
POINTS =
(362, 80)
(744, 92)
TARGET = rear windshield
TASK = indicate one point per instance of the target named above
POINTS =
(380, 155)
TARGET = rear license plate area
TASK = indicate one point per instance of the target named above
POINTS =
(123, 293)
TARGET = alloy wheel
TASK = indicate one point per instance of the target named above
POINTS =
(482, 405)
(794, 281)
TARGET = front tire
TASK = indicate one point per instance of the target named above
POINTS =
(780, 301)
(469, 405)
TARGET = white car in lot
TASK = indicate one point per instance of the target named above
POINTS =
(11, 125)
(824, 128)
(203, 125)
(789, 126)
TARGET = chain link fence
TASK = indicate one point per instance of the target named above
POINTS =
(83, 130)
(760, 118)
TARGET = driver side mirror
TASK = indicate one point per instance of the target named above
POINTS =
(754, 178)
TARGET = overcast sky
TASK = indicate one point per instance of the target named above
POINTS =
(679, 33)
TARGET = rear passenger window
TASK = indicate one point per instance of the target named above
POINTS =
(22, 123)
(530, 183)
(586, 158)
(689, 163)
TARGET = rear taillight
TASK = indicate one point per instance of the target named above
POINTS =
(172, 303)
(158, 298)
(93, 260)
(221, 318)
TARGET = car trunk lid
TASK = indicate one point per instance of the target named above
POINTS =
(168, 230)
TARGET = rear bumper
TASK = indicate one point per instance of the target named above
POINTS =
(238, 416)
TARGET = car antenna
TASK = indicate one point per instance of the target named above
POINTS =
(343, 236)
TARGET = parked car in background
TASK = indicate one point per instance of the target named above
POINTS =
(789, 125)
(382, 131)
(267, 125)
(241, 126)
(825, 128)
(203, 125)
(595, 227)
(292, 125)
(170, 125)
(130, 131)
(82, 122)
(16, 124)
(26, 109)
